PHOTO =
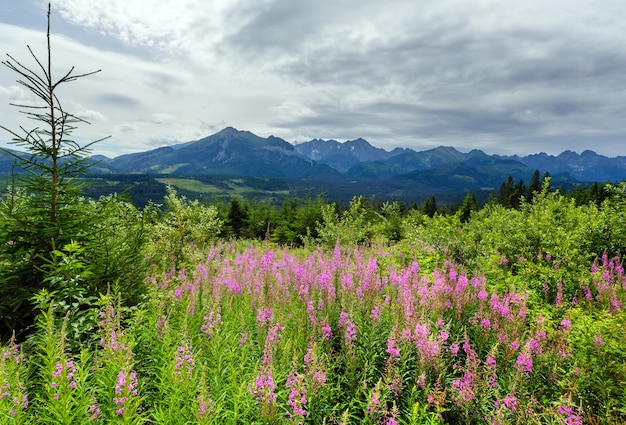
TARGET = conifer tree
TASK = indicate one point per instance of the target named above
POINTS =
(504, 195)
(469, 204)
(534, 186)
(430, 206)
(39, 214)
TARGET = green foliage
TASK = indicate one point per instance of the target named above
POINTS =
(114, 245)
(598, 358)
(262, 217)
(610, 235)
(390, 227)
(255, 333)
(109, 232)
(469, 205)
(430, 206)
(237, 217)
(185, 228)
(297, 221)
(13, 376)
(351, 228)
(534, 187)
(43, 215)
(71, 303)
(62, 395)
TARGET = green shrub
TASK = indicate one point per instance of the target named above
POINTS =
(185, 228)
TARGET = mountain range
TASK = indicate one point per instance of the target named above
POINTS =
(355, 165)
(234, 152)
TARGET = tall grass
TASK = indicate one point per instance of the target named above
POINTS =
(262, 334)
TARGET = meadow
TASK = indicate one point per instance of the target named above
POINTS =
(427, 330)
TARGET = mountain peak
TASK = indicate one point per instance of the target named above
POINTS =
(228, 131)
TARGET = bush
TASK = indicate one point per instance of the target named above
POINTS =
(185, 228)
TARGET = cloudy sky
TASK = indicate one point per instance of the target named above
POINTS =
(505, 77)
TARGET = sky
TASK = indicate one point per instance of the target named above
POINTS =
(504, 77)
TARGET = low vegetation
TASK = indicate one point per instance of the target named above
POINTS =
(512, 316)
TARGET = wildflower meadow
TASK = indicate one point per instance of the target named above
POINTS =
(258, 333)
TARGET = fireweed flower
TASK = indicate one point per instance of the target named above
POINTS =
(297, 396)
(376, 312)
(569, 416)
(267, 259)
(391, 348)
(184, 361)
(178, 292)
(559, 294)
(524, 363)
(464, 387)
(126, 387)
(272, 340)
(211, 322)
(4, 391)
(598, 341)
(94, 412)
(112, 336)
(205, 406)
(509, 402)
(534, 346)
(12, 352)
(18, 400)
(482, 295)
(275, 333)
(348, 327)
(263, 389)
(391, 421)
(314, 369)
(373, 404)
(264, 315)
(490, 369)
(428, 345)
(64, 371)
(421, 381)
(161, 327)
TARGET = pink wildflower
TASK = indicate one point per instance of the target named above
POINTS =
(524, 363)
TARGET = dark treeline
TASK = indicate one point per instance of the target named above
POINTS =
(298, 217)
(512, 192)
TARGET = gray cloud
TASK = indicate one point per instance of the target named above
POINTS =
(500, 76)
(119, 100)
(451, 81)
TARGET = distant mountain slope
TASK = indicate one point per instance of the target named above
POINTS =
(342, 156)
(7, 160)
(588, 166)
(354, 166)
(406, 162)
(462, 177)
(228, 152)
